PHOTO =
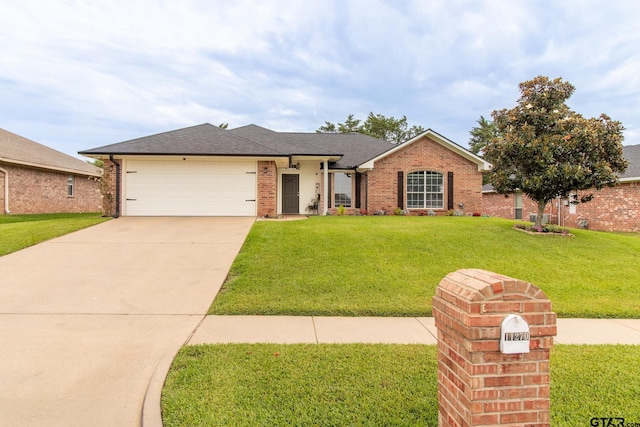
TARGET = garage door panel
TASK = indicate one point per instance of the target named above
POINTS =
(193, 188)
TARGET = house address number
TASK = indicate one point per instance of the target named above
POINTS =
(516, 336)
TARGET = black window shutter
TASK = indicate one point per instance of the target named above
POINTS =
(358, 179)
(401, 189)
(449, 190)
(330, 191)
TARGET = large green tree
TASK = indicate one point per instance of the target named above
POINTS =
(376, 125)
(546, 150)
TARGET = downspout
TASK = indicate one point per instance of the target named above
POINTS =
(117, 213)
(6, 190)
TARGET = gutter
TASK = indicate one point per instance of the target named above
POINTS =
(117, 213)
(6, 190)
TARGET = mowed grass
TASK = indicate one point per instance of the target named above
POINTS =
(20, 231)
(371, 385)
(390, 266)
(301, 385)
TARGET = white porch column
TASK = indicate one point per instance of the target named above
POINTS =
(325, 190)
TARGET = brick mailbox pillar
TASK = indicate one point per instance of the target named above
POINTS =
(480, 381)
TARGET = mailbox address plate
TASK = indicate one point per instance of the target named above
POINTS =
(514, 335)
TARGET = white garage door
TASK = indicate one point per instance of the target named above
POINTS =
(190, 188)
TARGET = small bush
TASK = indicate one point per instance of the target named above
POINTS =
(547, 228)
(342, 210)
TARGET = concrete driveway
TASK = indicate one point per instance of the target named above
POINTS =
(89, 320)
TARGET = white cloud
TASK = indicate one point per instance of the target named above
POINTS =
(77, 72)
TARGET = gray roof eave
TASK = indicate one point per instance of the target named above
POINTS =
(180, 153)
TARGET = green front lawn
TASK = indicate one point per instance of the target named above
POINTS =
(390, 266)
(371, 385)
(20, 231)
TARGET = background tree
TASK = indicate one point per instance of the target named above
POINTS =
(546, 150)
(376, 125)
(99, 163)
(481, 135)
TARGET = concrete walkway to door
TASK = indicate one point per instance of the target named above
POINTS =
(90, 320)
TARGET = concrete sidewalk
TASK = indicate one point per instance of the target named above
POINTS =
(396, 330)
(373, 330)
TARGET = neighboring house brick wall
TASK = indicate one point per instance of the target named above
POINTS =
(34, 191)
(424, 154)
(611, 209)
(267, 189)
(494, 204)
(2, 206)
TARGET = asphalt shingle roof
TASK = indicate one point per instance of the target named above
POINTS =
(282, 142)
(251, 140)
(200, 140)
(356, 148)
(20, 150)
(632, 154)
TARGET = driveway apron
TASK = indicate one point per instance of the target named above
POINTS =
(87, 318)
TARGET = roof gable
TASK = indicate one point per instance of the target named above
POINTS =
(18, 150)
(483, 165)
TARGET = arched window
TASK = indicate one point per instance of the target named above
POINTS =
(425, 190)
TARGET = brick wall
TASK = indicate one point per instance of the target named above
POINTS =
(108, 188)
(33, 191)
(478, 385)
(267, 189)
(494, 204)
(424, 154)
(612, 208)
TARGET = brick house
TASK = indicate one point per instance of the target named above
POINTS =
(252, 171)
(612, 208)
(38, 179)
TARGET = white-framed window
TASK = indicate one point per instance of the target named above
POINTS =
(518, 205)
(425, 190)
(573, 207)
(70, 185)
(342, 189)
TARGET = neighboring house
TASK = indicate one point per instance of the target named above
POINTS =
(612, 208)
(38, 179)
(252, 171)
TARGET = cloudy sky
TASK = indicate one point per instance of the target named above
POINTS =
(80, 74)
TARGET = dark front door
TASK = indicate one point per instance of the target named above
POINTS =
(290, 194)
